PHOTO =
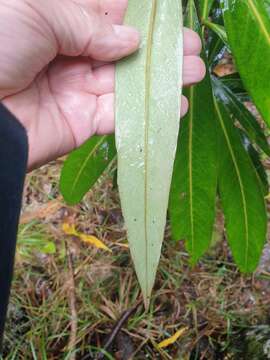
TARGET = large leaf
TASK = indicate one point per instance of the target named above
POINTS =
(148, 86)
(84, 166)
(239, 112)
(193, 192)
(248, 26)
(241, 196)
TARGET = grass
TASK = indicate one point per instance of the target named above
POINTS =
(49, 318)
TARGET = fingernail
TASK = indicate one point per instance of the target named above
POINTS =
(127, 34)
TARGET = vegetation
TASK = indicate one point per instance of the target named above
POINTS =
(71, 299)
(220, 307)
(219, 148)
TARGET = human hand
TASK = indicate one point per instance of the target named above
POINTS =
(57, 69)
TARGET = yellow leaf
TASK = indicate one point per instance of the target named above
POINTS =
(92, 240)
(69, 229)
(88, 239)
(171, 340)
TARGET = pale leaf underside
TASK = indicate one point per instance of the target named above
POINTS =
(148, 87)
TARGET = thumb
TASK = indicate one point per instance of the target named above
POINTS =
(82, 31)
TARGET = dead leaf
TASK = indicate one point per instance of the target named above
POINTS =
(224, 69)
(69, 229)
(171, 340)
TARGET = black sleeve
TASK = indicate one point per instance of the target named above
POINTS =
(13, 165)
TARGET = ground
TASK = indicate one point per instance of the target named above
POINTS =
(70, 299)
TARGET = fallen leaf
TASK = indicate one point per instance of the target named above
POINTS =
(224, 69)
(69, 229)
(171, 340)
(92, 240)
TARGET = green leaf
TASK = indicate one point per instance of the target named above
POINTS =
(255, 158)
(215, 50)
(214, 45)
(239, 112)
(241, 196)
(235, 84)
(49, 248)
(84, 166)
(194, 185)
(148, 87)
(205, 8)
(219, 30)
(248, 27)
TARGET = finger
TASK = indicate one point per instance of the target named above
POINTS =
(101, 80)
(184, 106)
(115, 43)
(193, 70)
(114, 11)
(192, 42)
(77, 30)
(104, 121)
(192, 45)
(78, 75)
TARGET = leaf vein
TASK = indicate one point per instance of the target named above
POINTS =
(146, 134)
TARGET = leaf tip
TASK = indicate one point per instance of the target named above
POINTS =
(146, 300)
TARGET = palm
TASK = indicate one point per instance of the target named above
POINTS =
(67, 103)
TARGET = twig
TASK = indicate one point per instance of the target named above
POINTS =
(71, 292)
(116, 329)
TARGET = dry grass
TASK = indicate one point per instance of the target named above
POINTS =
(50, 319)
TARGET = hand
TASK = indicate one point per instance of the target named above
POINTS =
(57, 69)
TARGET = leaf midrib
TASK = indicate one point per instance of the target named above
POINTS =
(260, 19)
(146, 130)
(190, 142)
(85, 163)
(239, 178)
(205, 8)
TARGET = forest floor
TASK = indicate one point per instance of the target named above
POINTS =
(71, 299)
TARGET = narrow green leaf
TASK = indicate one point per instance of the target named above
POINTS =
(205, 8)
(218, 30)
(148, 87)
(235, 84)
(84, 166)
(241, 196)
(194, 185)
(215, 49)
(239, 112)
(255, 158)
(214, 45)
(248, 27)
